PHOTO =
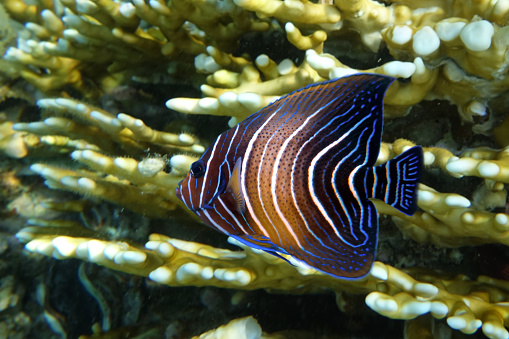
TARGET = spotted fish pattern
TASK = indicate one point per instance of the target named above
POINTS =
(296, 177)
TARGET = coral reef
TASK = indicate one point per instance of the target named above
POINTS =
(139, 185)
(77, 65)
(467, 304)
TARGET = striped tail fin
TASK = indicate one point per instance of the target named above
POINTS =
(396, 181)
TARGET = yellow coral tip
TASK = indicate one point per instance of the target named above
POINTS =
(45, 248)
(105, 119)
(468, 218)
(111, 251)
(65, 102)
(477, 108)
(455, 200)
(495, 331)
(457, 323)
(399, 69)
(289, 27)
(415, 308)
(164, 249)
(87, 7)
(379, 272)
(187, 271)
(207, 273)
(87, 154)
(401, 34)
(429, 158)
(229, 99)
(76, 155)
(425, 41)
(477, 35)
(24, 236)
(460, 323)
(186, 138)
(66, 181)
(501, 219)
(161, 275)
(152, 245)
(243, 277)
(95, 250)
(251, 101)
(439, 309)
(488, 169)
(425, 196)
(285, 67)
(380, 303)
(125, 164)
(127, 10)
(425, 290)
(263, 60)
(32, 245)
(209, 104)
(37, 168)
(65, 246)
(198, 149)
(56, 123)
(460, 166)
(87, 184)
(448, 31)
(130, 258)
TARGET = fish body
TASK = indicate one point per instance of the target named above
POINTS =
(296, 177)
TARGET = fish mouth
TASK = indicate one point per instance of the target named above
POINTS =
(178, 194)
(178, 190)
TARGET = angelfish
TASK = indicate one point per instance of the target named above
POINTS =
(296, 177)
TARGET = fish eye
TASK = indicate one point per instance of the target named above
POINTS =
(198, 169)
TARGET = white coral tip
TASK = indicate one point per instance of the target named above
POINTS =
(477, 35)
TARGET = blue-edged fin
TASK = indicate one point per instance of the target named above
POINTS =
(396, 181)
(260, 242)
(234, 188)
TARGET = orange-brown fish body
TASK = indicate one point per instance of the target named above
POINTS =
(296, 177)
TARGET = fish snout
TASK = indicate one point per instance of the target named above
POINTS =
(178, 193)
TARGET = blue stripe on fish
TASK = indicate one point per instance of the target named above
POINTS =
(296, 177)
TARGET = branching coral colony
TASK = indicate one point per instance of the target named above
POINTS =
(447, 51)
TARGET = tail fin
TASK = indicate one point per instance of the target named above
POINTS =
(396, 181)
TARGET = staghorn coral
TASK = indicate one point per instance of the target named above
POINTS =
(89, 136)
(94, 45)
(467, 304)
(456, 56)
(454, 53)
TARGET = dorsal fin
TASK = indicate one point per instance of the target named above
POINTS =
(234, 187)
